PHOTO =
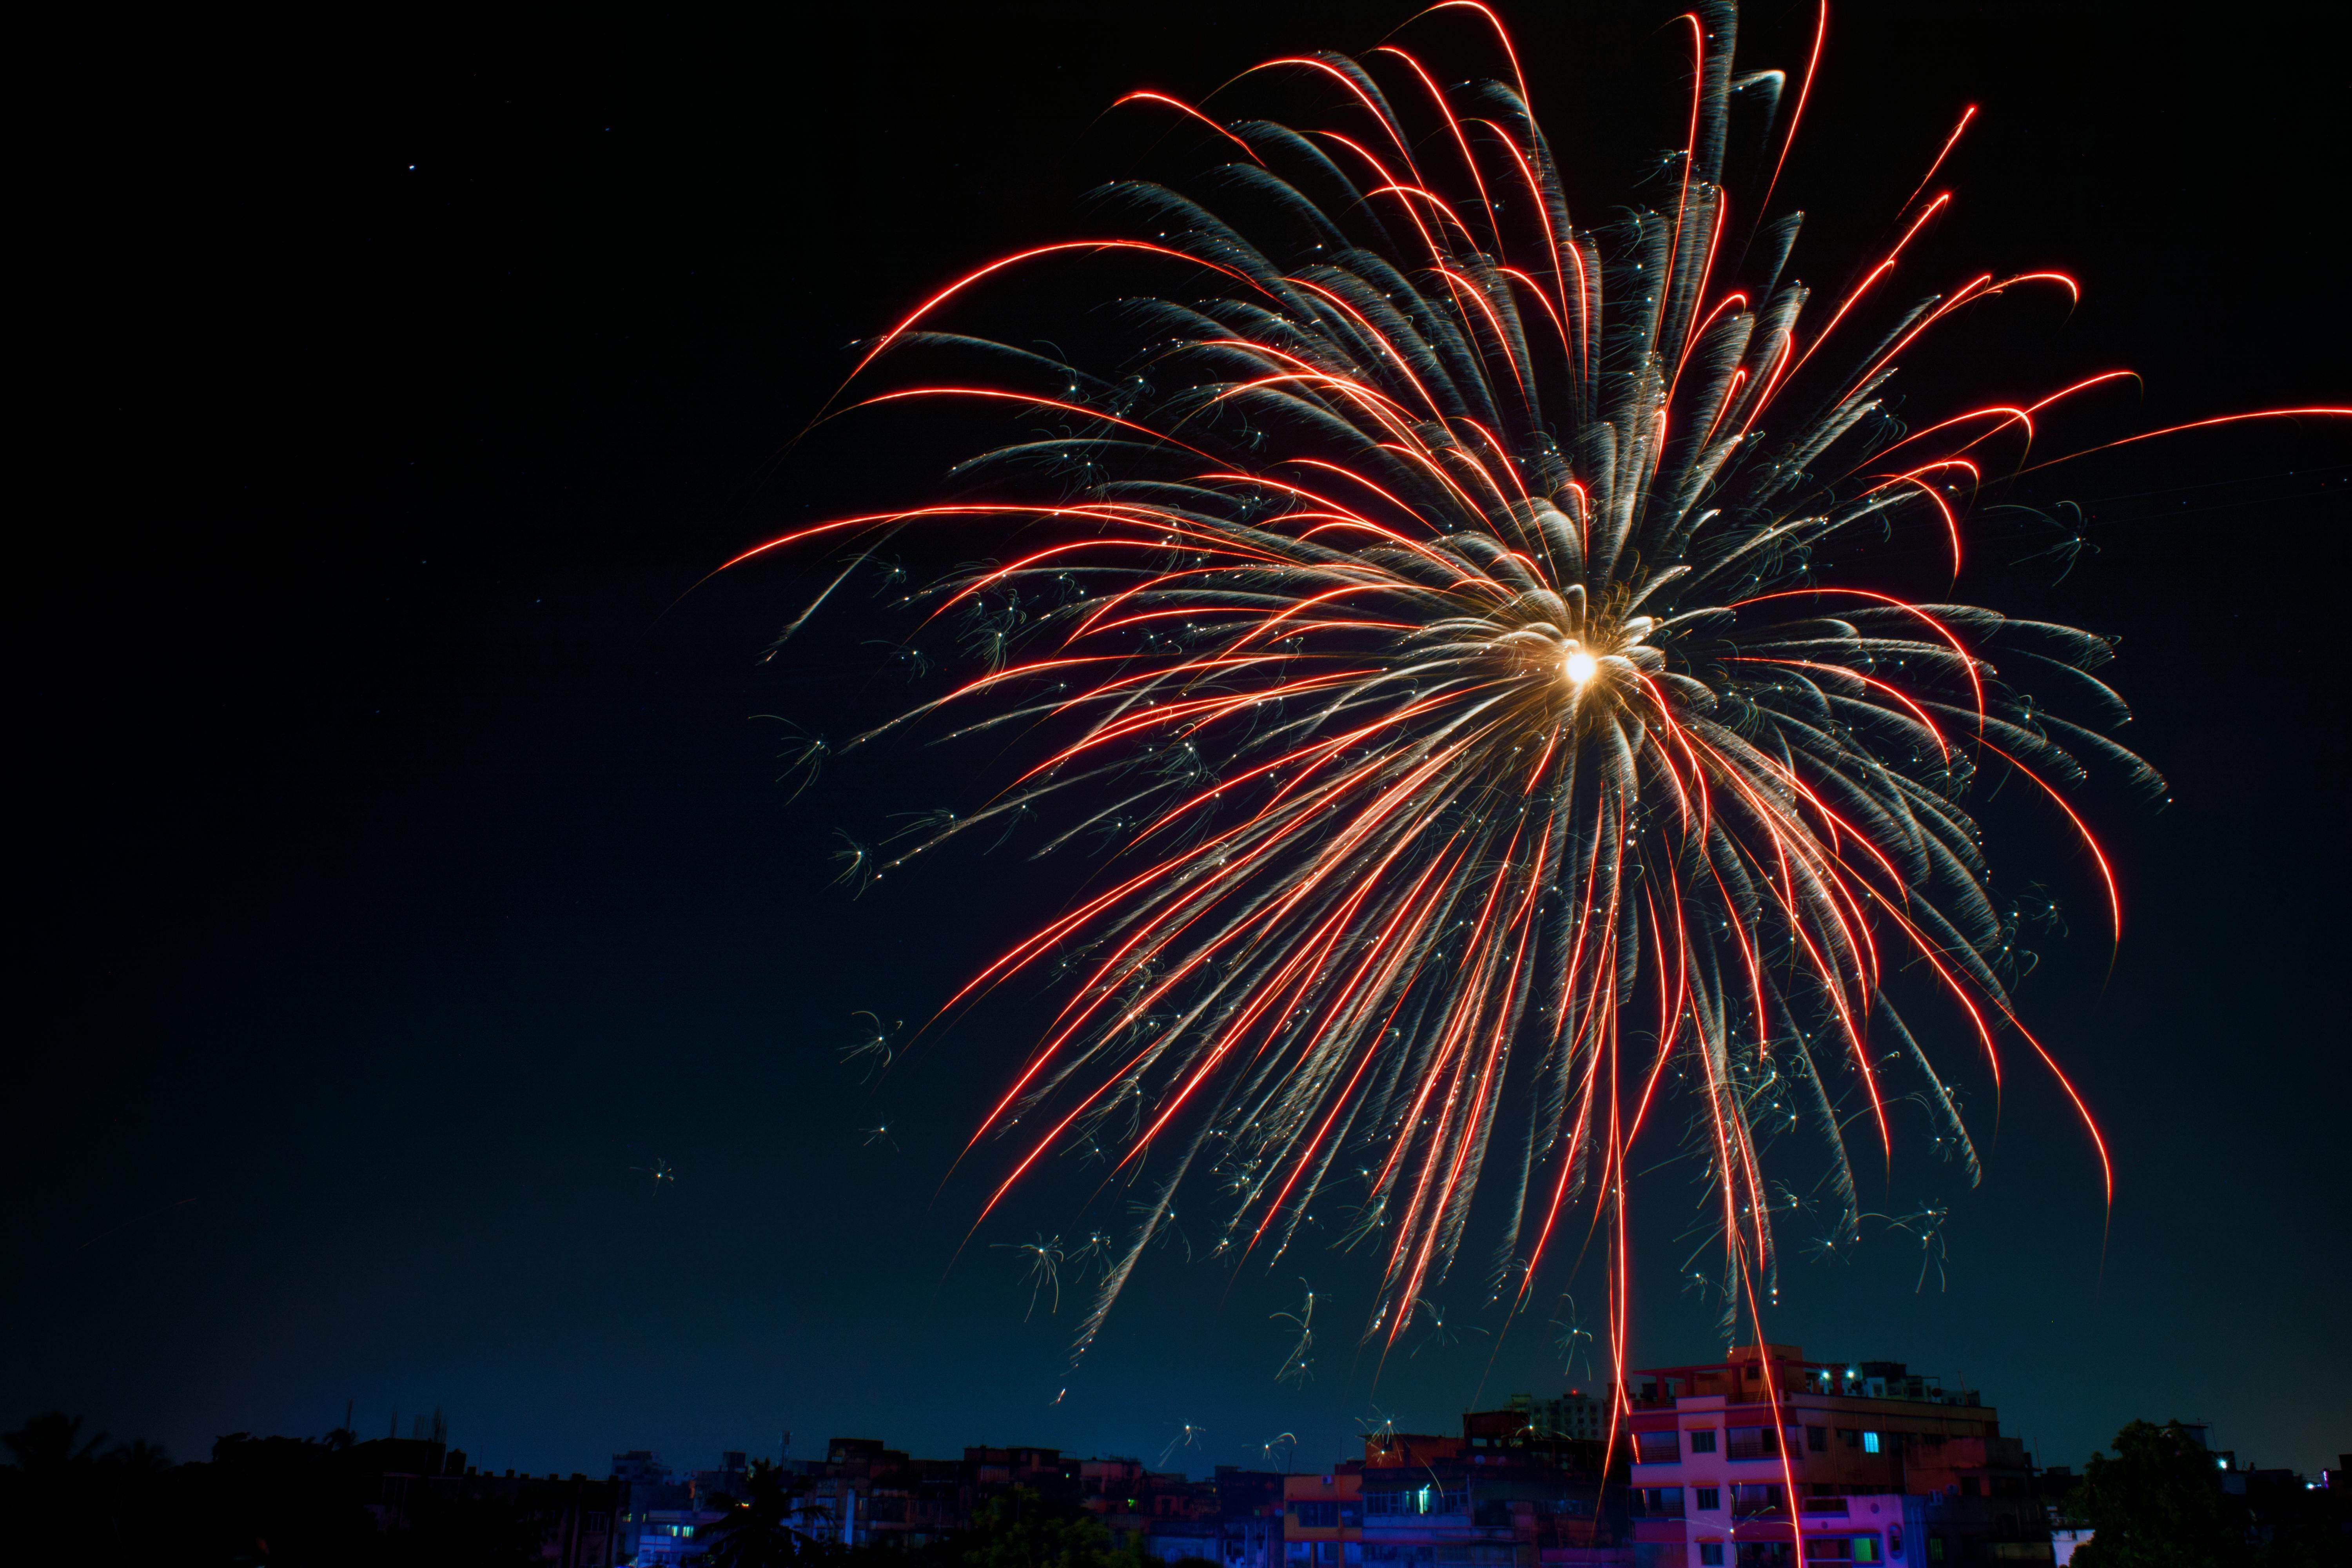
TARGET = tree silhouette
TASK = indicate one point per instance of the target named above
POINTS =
(1021, 1529)
(2158, 1503)
(70, 1498)
(49, 1444)
(766, 1526)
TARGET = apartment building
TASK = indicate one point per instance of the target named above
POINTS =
(1507, 1493)
(1881, 1465)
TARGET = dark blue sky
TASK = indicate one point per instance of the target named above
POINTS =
(395, 880)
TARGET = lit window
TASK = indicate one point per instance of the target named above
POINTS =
(1870, 1442)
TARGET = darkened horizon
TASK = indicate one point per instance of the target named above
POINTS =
(436, 1000)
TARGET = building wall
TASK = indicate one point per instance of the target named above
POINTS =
(1323, 1519)
(1715, 1460)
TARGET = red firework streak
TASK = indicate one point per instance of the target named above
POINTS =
(1426, 616)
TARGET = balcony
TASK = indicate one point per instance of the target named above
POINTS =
(1422, 1502)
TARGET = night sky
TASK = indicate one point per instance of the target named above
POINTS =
(397, 878)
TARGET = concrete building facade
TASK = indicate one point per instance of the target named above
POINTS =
(1872, 1458)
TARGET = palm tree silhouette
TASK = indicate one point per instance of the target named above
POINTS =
(47, 1443)
(767, 1526)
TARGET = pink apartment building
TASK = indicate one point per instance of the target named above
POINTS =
(1881, 1466)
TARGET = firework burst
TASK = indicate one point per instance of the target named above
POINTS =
(1428, 612)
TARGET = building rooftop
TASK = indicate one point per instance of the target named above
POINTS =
(1750, 1369)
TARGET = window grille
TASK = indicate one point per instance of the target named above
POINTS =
(1657, 1447)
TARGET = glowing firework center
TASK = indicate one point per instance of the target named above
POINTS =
(1425, 623)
